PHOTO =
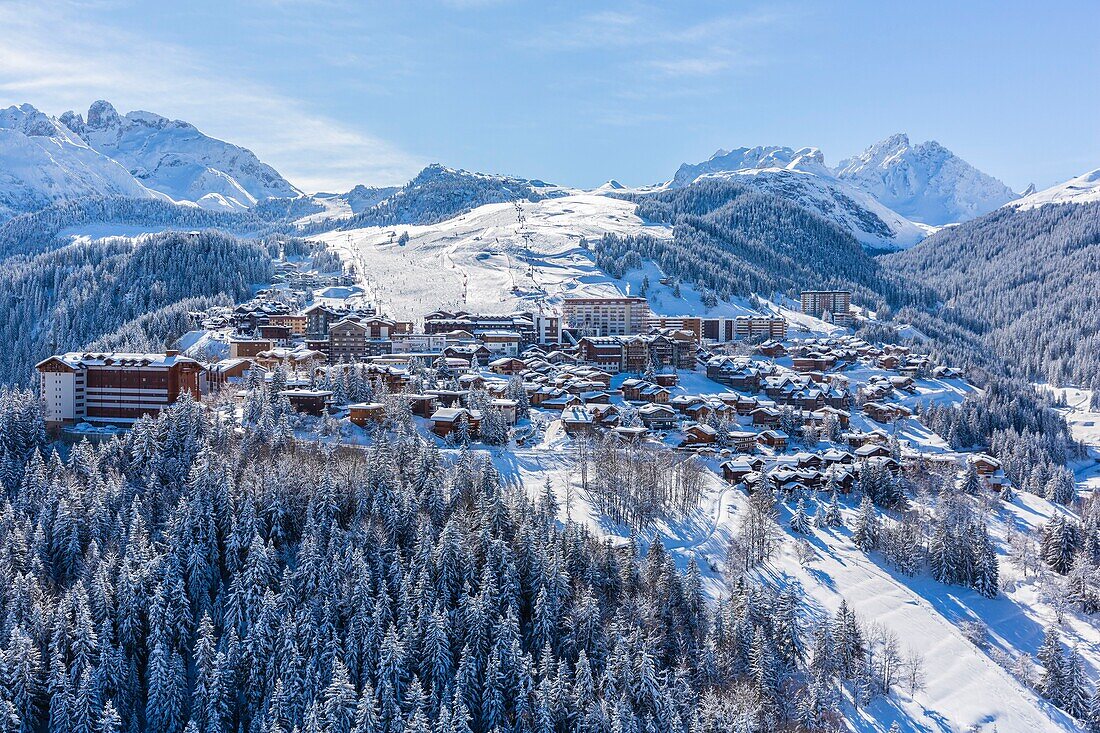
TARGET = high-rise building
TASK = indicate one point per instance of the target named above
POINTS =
(621, 316)
(816, 302)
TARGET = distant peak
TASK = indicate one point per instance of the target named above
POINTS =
(102, 114)
(612, 185)
(897, 141)
(1029, 190)
(73, 120)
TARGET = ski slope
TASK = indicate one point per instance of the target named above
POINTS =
(506, 257)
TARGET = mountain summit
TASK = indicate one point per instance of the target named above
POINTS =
(926, 182)
(801, 175)
(175, 158)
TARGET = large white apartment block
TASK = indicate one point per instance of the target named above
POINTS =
(622, 316)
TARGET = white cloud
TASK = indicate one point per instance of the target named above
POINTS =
(56, 57)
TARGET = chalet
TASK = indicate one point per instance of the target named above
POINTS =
(561, 402)
(544, 393)
(808, 460)
(657, 417)
(737, 469)
(667, 379)
(989, 471)
(422, 405)
(773, 349)
(293, 359)
(595, 397)
(902, 382)
(946, 372)
(774, 439)
(765, 416)
(633, 434)
(639, 390)
(700, 411)
(244, 348)
(449, 397)
(604, 415)
(813, 362)
(681, 402)
(577, 421)
(471, 381)
(984, 464)
(366, 413)
(309, 401)
(446, 420)
(884, 412)
(888, 361)
(700, 434)
(841, 477)
(507, 365)
(474, 354)
(872, 450)
(228, 371)
(733, 373)
(743, 441)
(834, 457)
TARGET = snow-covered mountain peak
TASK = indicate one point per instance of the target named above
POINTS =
(801, 175)
(174, 157)
(924, 182)
(102, 114)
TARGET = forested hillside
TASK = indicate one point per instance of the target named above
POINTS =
(38, 232)
(1025, 281)
(181, 579)
(735, 241)
(66, 299)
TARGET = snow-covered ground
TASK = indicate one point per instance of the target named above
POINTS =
(496, 258)
(966, 689)
(518, 256)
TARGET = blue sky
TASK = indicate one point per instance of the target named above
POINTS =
(333, 92)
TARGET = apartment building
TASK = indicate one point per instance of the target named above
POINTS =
(351, 339)
(114, 388)
(692, 324)
(531, 329)
(816, 302)
(721, 330)
(623, 316)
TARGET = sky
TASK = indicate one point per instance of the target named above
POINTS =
(333, 93)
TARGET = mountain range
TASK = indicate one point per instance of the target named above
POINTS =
(889, 197)
(140, 154)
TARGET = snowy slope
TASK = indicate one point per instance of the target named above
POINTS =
(41, 162)
(506, 257)
(1080, 190)
(175, 158)
(966, 688)
(802, 176)
(925, 182)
